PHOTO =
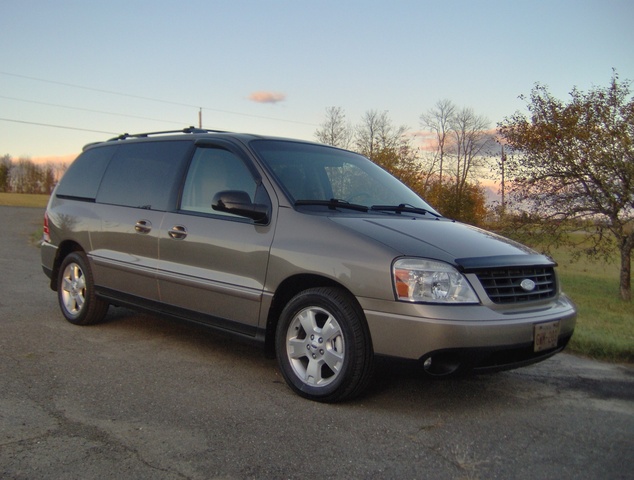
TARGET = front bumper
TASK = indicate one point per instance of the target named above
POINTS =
(471, 332)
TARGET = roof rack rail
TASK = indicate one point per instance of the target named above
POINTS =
(125, 136)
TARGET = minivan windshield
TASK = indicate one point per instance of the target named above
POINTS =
(320, 175)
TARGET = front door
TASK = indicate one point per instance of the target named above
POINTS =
(214, 263)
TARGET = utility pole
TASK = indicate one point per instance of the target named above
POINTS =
(503, 160)
(200, 118)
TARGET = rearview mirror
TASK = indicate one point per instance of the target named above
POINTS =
(239, 203)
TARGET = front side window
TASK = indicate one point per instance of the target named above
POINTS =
(214, 170)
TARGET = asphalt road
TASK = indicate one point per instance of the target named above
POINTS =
(145, 398)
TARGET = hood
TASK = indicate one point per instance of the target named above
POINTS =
(467, 247)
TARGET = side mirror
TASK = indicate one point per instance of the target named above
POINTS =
(239, 203)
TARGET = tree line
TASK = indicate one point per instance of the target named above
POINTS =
(25, 176)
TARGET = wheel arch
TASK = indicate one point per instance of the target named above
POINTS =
(283, 294)
(65, 248)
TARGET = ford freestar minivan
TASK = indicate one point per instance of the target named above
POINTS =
(313, 251)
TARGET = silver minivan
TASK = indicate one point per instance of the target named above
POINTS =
(312, 251)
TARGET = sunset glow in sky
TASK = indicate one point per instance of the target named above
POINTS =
(74, 72)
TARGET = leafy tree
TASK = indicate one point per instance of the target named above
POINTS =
(470, 207)
(573, 165)
(403, 163)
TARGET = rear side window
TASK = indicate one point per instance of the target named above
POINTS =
(81, 180)
(144, 175)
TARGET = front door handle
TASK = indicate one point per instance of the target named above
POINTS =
(143, 226)
(177, 232)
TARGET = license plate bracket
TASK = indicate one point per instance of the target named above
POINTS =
(546, 335)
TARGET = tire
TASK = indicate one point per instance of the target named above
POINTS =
(76, 292)
(323, 345)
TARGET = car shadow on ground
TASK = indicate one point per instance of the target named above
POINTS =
(395, 381)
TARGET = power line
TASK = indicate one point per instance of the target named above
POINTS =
(110, 92)
(56, 126)
(90, 110)
(151, 99)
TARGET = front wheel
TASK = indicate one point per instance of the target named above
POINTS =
(76, 292)
(323, 345)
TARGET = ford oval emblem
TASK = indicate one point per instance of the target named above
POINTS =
(528, 285)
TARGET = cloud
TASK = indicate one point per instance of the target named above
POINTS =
(426, 140)
(267, 97)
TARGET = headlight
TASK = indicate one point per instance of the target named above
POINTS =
(418, 280)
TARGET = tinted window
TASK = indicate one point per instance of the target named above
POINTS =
(83, 177)
(213, 170)
(144, 175)
(318, 172)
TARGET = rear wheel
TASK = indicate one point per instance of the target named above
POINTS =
(323, 345)
(76, 292)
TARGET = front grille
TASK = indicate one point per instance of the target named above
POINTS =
(503, 285)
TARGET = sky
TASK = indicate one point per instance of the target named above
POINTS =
(75, 72)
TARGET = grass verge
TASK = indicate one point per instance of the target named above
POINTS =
(605, 323)
(23, 200)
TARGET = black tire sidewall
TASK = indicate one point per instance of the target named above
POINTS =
(94, 309)
(345, 310)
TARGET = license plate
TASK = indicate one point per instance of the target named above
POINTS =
(546, 336)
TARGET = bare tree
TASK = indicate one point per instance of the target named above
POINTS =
(5, 169)
(469, 145)
(335, 130)
(438, 121)
(376, 133)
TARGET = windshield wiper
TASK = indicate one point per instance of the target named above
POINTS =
(333, 204)
(403, 207)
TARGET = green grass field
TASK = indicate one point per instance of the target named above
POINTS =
(23, 200)
(605, 324)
